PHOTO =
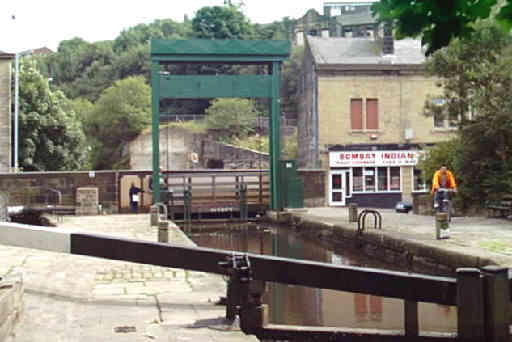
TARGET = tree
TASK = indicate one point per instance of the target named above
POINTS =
(292, 70)
(439, 21)
(476, 77)
(51, 136)
(119, 115)
(231, 118)
(221, 22)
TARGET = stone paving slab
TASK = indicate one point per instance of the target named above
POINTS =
(79, 298)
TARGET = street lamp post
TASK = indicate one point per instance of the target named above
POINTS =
(16, 104)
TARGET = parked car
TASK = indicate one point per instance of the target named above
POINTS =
(403, 207)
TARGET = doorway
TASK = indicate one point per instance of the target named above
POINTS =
(337, 191)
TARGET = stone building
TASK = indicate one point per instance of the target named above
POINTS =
(5, 111)
(361, 117)
(343, 18)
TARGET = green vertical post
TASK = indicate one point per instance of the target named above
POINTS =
(275, 148)
(155, 106)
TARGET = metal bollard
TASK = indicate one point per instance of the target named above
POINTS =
(442, 226)
(163, 231)
(352, 212)
(154, 215)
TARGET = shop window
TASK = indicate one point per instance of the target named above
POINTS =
(357, 179)
(356, 114)
(372, 179)
(372, 114)
(382, 178)
(419, 183)
(394, 175)
(369, 179)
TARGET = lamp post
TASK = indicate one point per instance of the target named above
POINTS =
(16, 103)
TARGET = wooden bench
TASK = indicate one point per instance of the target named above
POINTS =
(499, 208)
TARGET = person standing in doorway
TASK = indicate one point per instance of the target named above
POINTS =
(134, 198)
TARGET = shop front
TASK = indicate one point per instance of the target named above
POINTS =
(377, 179)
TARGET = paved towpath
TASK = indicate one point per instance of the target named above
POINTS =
(79, 298)
(479, 236)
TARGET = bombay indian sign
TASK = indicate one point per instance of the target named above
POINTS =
(374, 158)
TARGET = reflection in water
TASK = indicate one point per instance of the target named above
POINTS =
(298, 305)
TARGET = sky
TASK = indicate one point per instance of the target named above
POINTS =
(39, 23)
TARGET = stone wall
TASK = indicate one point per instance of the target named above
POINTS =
(32, 187)
(314, 187)
(5, 114)
(177, 146)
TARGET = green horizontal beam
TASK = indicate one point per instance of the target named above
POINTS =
(206, 47)
(224, 59)
(194, 87)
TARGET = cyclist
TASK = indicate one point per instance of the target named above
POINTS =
(443, 179)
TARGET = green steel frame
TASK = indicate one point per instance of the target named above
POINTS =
(255, 52)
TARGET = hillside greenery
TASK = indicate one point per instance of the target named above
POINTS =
(95, 77)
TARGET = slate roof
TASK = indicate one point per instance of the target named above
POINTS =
(364, 51)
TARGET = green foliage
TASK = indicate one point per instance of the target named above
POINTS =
(476, 77)
(51, 136)
(438, 22)
(192, 126)
(289, 147)
(255, 142)
(260, 143)
(231, 118)
(292, 70)
(221, 22)
(141, 34)
(277, 30)
(119, 115)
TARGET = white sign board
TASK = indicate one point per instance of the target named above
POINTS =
(374, 158)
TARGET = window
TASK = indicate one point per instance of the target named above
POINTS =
(371, 119)
(356, 113)
(441, 120)
(382, 178)
(418, 180)
(376, 179)
(372, 114)
(394, 174)
(357, 179)
(369, 179)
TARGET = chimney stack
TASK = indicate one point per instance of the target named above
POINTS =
(388, 47)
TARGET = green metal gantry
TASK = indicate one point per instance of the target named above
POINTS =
(254, 52)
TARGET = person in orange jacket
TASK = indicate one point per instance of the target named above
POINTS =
(443, 178)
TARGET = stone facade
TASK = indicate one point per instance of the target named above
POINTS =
(400, 96)
(5, 112)
(339, 70)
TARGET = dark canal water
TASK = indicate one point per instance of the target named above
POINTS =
(299, 305)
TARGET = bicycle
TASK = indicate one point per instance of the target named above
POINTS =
(444, 204)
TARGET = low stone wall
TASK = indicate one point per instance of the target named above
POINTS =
(233, 157)
(11, 304)
(177, 146)
(32, 187)
(314, 187)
